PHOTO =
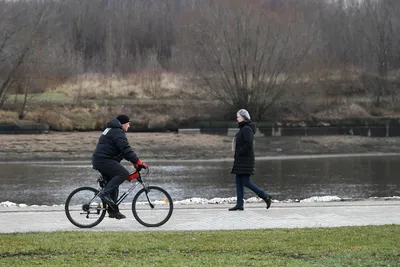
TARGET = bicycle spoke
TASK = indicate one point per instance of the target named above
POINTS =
(154, 208)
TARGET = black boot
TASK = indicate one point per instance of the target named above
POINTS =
(116, 214)
(267, 200)
(236, 208)
(119, 216)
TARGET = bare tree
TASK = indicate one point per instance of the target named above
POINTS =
(244, 54)
(338, 40)
(21, 31)
(378, 29)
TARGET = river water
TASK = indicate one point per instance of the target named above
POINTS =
(286, 179)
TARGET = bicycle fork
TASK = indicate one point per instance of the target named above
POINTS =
(146, 190)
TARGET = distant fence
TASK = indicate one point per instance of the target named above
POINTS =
(34, 128)
(373, 127)
(381, 130)
(371, 131)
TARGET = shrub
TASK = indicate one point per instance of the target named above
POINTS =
(158, 121)
(54, 118)
(82, 119)
(8, 116)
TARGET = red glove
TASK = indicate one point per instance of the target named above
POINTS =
(140, 164)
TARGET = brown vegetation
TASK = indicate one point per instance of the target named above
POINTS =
(166, 62)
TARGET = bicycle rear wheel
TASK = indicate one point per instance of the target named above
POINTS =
(152, 207)
(84, 209)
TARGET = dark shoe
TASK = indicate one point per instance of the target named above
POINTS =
(236, 208)
(116, 214)
(267, 200)
(107, 199)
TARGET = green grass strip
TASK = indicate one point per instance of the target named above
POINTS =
(345, 246)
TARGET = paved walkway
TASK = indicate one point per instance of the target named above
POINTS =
(216, 217)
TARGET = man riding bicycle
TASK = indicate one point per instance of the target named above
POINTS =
(112, 147)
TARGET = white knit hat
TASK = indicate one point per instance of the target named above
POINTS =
(244, 113)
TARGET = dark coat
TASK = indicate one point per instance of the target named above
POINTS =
(244, 152)
(114, 145)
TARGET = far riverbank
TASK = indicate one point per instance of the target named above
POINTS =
(173, 146)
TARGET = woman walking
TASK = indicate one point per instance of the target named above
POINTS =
(244, 161)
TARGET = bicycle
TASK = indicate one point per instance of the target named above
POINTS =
(152, 206)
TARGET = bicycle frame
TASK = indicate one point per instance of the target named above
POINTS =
(133, 186)
(137, 181)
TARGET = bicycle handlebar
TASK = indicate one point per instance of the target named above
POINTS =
(136, 173)
(139, 168)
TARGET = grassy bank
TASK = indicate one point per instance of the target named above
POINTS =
(87, 102)
(166, 100)
(347, 246)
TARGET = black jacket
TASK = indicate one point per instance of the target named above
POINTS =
(114, 145)
(244, 152)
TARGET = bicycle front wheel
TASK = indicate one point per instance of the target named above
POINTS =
(152, 207)
(84, 209)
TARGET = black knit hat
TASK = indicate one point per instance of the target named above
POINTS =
(123, 119)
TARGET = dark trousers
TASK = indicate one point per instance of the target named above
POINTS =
(244, 180)
(114, 173)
